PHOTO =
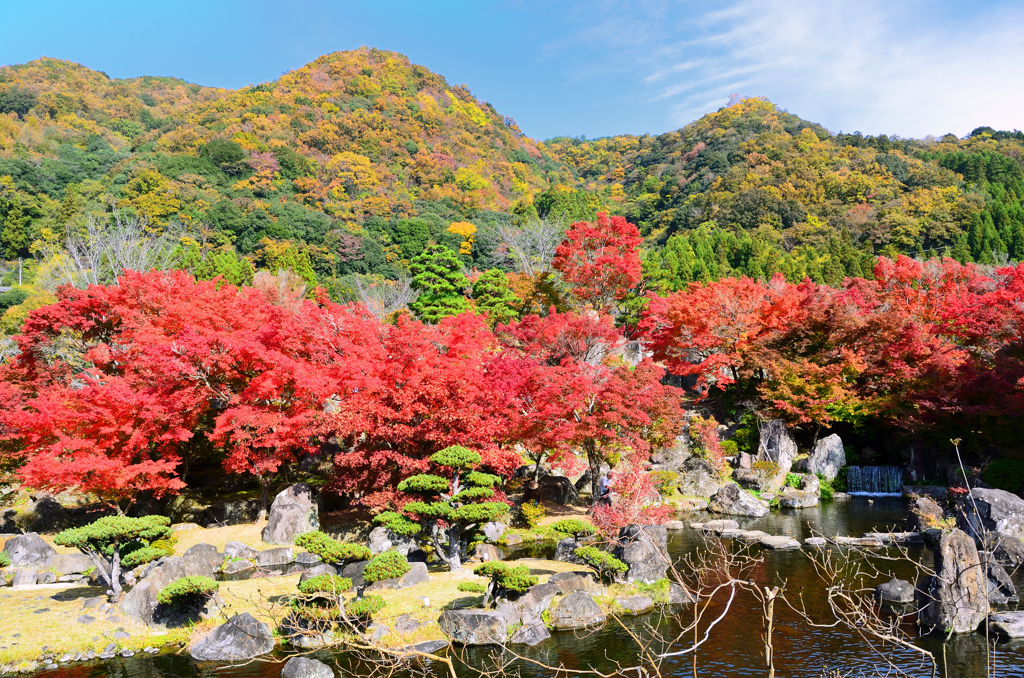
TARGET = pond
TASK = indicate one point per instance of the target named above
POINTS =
(735, 647)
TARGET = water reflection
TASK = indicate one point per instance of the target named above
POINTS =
(735, 649)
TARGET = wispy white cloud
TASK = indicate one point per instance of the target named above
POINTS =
(908, 67)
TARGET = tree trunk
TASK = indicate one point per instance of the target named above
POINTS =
(595, 472)
(536, 469)
(454, 548)
(264, 498)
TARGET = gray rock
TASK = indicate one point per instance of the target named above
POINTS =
(322, 568)
(474, 627)
(1001, 590)
(354, 571)
(815, 542)
(1009, 552)
(556, 489)
(275, 557)
(577, 611)
(240, 637)
(293, 512)
(955, 598)
(206, 552)
(827, 457)
(677, 595)
(428, 646)
(488, 552)
(529, 470)
(924, 514)
(751, 536)
(417, 574)
(777, 445)
(46, 577)
(571, 582)
(528, 607)
(25, 576)
(307, 560)
(645, 551)
(86, 619)
(779, 543)
(998, 512)
(744, 460)
(306, 634)
(794, 498)
(531, 634)
(382, 539)
(493, 531)
(760, 479)
(406, 623)
(304, 667)
(698, 478)
(731, 500)
(936, 492)
(895, 591)
(29, 550)
(140, 603)
(1007, 624)
(236, 549)
(513, 539)
(565, 551)
(896, 537)
(71, 563)
(810, 483)
(237, 570)
(675, 525)
(719, 526)
(635, 605)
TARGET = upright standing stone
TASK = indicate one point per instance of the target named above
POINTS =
(644, 550)
(293, 512)
(827, 457)
(956, 597)
(777, 444)
(29, 549)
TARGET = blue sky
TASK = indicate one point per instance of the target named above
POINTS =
(905, 67)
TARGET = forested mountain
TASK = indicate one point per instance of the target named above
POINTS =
(356, 161)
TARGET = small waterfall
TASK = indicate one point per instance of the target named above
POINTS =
(874, 479)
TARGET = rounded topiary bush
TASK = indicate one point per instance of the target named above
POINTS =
(187, 591)
(397, 523)
(366, 606)
(388, 565)
(330, 550)
(574, 527)
(325, 583)
(456, 456)
(471, 587)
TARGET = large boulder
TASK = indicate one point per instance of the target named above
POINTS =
(528, 607)
(417, 574)
(645, 551)
(1001, 590)
(239, 638)
(998, 512)
(577, 611)
(571, 582)
(698, 478)
(763, 476)
(278, 558)
(731, 500)
(1009, 552)
(207, 552)
(530, 634)
(794, 498)
(304, 667)
(141, 603)
(474, 627)
(382, 539)
(635, 605)
(236, 549)
(354, 571)
(565, 551)
(28, 550)
(493, 531)
(488, 552)
(924, 513)
(556, 489)
(293, 512)
(71, 563)
(955, 598)
(827, 457)
(776, 444)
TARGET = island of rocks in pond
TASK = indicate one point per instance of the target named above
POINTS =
(382, 591)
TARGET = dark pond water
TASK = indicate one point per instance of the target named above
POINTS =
(735, 648)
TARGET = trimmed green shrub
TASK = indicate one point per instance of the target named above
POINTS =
(424, 482)
(471, 587)
(365, 607)
(729, 448)
(456, 456)
(574, 527)
(397, 523)
(330, 550)
(504, 578)
(605, 564)
(141, 556)
(106, 539)
(5, 560)
(1005, 474)
(187, 591)
(388, 565)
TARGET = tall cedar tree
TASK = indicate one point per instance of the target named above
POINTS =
(437, 275)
